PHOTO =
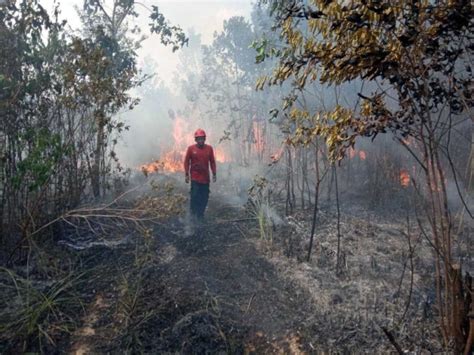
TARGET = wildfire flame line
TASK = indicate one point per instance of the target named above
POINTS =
(171, 161)
(357, 153)
(404, 178)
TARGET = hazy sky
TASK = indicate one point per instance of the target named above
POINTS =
(205, 17)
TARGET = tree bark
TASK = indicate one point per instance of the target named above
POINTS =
(95, 173)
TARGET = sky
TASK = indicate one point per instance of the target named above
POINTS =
(205, 17)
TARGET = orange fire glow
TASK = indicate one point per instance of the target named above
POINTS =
(352, 153)
(258, 136)
(171, 161)
(220, 156)
(404, 178)
(357, 153)
(276, 157)
(152, 167)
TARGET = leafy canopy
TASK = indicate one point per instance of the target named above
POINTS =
(416, 51)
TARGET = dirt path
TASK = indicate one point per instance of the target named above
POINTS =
(251, 307)
(213, 291)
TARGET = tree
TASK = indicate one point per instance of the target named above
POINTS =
(417, 56)
(58, 97)
(229, 75)
(107, 82)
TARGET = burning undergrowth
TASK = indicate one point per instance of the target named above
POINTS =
(173, 150)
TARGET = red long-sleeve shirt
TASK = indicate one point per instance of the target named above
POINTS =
(197, 161)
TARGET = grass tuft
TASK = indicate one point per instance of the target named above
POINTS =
(33, 313)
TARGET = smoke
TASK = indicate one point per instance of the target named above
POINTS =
(239, 130)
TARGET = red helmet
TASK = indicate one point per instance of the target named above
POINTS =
(199, 133)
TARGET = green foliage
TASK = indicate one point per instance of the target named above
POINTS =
(60, 93)
(169, 34)
(45, 152)
(99, 73)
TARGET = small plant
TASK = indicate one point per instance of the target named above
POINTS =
(132, 310)
(259, 207)
(34, 314)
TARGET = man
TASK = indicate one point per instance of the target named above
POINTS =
(198, 158)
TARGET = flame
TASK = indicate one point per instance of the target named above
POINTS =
(357, 153)
(171, 160)
(352, 153)
(404, 178)
(179, 133)
(221, 156)
(277, 156)
(151, 167)
(258, 137)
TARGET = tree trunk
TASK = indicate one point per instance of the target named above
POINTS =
(95, 173)
(470, 172)
(338, 253)
(315, 210)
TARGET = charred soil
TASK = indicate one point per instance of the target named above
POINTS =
(211, 291)
(222, 288)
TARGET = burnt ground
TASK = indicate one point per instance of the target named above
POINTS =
(224, 289)
(212, 291)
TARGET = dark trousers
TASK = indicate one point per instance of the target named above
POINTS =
(199, 198)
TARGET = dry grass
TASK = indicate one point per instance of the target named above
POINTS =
(35, 314)
(38, 307)
(376, 287)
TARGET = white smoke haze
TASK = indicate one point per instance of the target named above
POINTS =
(162, 126)
(288, 235)
(376, 172)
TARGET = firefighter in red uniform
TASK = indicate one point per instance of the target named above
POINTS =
(198, 158)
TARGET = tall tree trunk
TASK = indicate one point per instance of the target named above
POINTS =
(470, 171)
(96, 171)
(316, 201)
(338, 254)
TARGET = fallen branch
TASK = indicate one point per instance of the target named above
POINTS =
(139, 215)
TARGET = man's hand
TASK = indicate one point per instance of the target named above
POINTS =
(214, 178)
(186, 179)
